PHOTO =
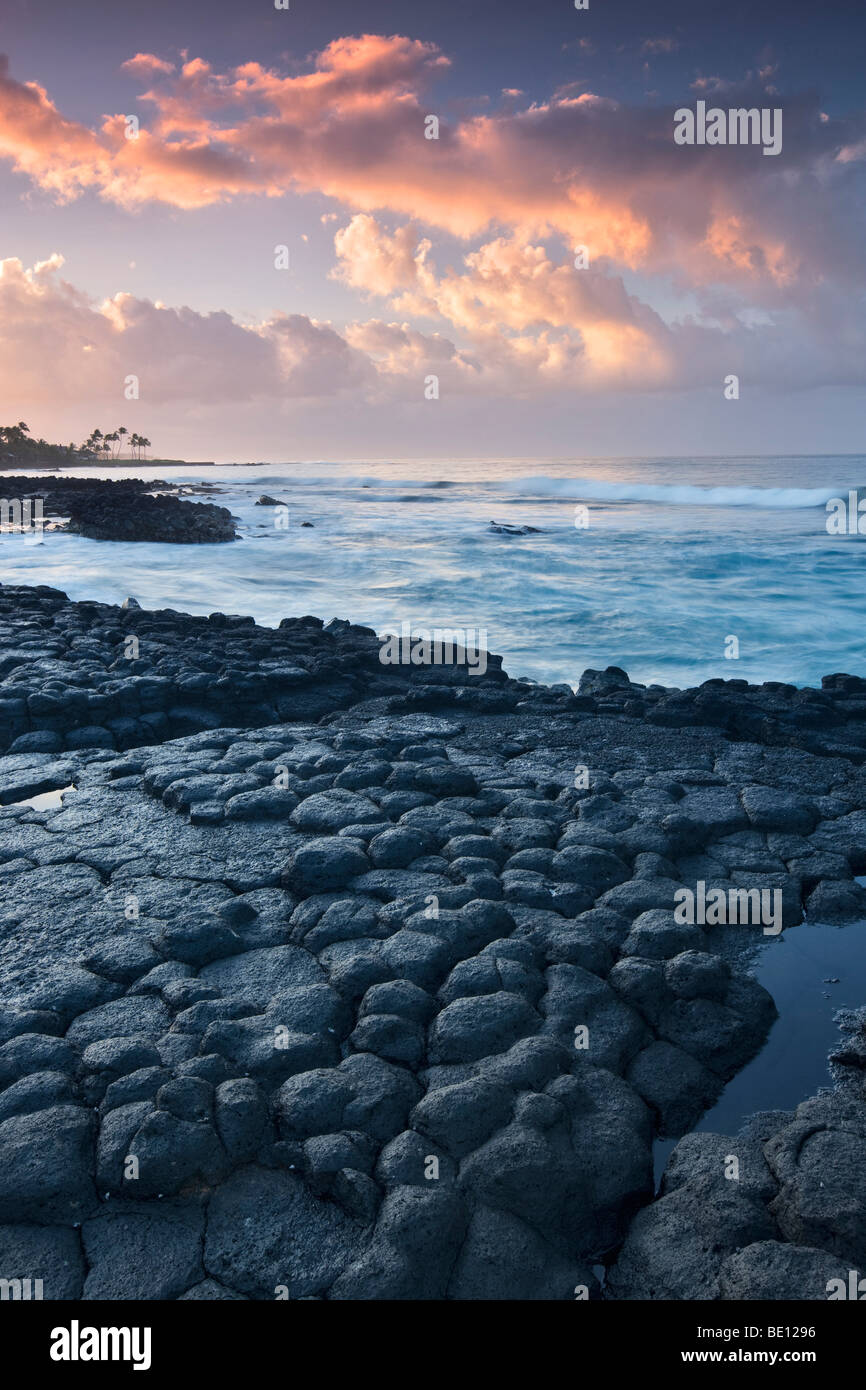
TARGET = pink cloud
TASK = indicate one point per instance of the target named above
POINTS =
(374, 262)
(581, 166)
(147, 65)
(514, 327)
(56, 344)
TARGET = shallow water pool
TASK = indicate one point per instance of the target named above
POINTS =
(811, 971)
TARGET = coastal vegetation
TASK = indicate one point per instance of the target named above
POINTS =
(18, 448)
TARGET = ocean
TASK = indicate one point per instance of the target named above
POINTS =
(653, 565)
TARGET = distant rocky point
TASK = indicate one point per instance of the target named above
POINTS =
(124, 509)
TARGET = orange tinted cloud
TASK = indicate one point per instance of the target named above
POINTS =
(59, 347)
(56, 344)
(146, 65)
(61, 156)
(518, 308)
(353, 127)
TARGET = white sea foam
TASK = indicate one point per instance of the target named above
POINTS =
(671, 495)
(677, 555)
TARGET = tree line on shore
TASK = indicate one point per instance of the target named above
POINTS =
(17, 445)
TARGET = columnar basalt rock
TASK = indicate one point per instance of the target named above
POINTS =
(331, 990)
(777, 1211)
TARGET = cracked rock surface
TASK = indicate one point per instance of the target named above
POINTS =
(332, 983)
(775, 1212)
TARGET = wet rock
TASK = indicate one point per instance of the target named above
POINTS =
(104, 516)
(428, 983)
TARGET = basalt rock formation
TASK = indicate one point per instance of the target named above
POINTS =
(122, 510)
(340, 980)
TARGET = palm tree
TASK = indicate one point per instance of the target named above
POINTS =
(144, 444)
(121, 431)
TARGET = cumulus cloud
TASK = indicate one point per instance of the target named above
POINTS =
(768, 255)
(57, 343)
(372, 261)
(582, 166)
(525, 317)
(515, 325)
(147, 65)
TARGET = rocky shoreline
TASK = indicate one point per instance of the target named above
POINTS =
(330, 979)
(123, 509)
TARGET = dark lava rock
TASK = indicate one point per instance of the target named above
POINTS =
(772, 1271)
(46, 1166)
(266, 1233)
(51, 1254)
(372, 1003)
(322, 865)
(144, 1253)
(104, 516)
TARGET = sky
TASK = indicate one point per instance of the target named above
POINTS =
(235, 211)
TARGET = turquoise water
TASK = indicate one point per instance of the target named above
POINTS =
(678, 555)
